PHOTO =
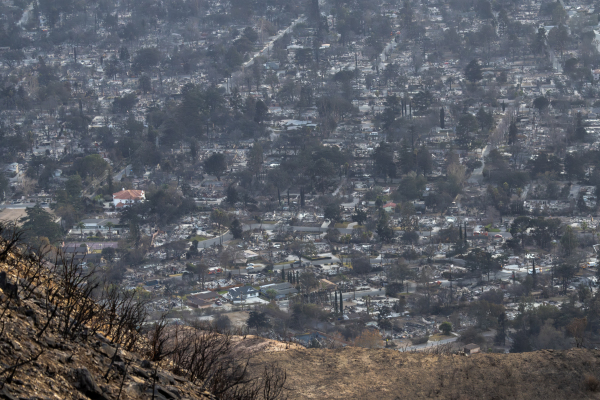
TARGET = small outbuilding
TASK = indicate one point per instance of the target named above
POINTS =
(472, 348)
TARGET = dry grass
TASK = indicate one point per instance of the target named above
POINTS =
(12, 214)
(379, 374)
(591, 383)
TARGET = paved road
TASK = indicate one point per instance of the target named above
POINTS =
(477, 175)
(117, 177)
(269, 46)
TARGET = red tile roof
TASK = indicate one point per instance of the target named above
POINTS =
(129, 195)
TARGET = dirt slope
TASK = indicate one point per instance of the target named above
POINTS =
(355, 373)
(65, 369)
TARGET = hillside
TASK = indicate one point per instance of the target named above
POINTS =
(76, 369)
(356, 373)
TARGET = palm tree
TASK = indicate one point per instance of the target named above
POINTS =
(110, 225)
(80, 226)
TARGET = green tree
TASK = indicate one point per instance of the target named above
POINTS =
(473, 71)
(261, 112)
(308, 281)
(93, 166)
(215, 165)
(304, 57)
(485, 119)
(257, 320)
(558, 37)
(145, 59)
(467, 124)
(384, 229)
(124, 54)
(232, 195)
(255, 158)
(569, 241)
(541, 103)
(400, 271)
(521, 342)
(512, 132)
(422, 100)
(361, 264)
(39, 223)
(384, 161)
(359, 216)
(333, 212)
(145, 83)
(446, 328)
(482, 262)
(109, 254)
(335, 307)
(124, 104)
(538, 45)
(565, 273)
(4, 185)
(237, 231)
(73, 188)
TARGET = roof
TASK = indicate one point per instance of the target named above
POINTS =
(100, 221)
(129, 194)
(250, 254)
(204, 295)
(242, 289)
(278, 286)
(327, 283)
(471, 346)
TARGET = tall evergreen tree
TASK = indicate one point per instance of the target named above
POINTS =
(341, 304)
(283, 274)
(39, 223)
(473, 71)
(336, 304)
(512, 133)
(442, 117)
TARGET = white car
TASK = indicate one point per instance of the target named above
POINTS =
(250, 265)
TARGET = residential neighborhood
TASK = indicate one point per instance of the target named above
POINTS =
(406, 175)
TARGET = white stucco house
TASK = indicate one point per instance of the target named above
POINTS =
(125, 198)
